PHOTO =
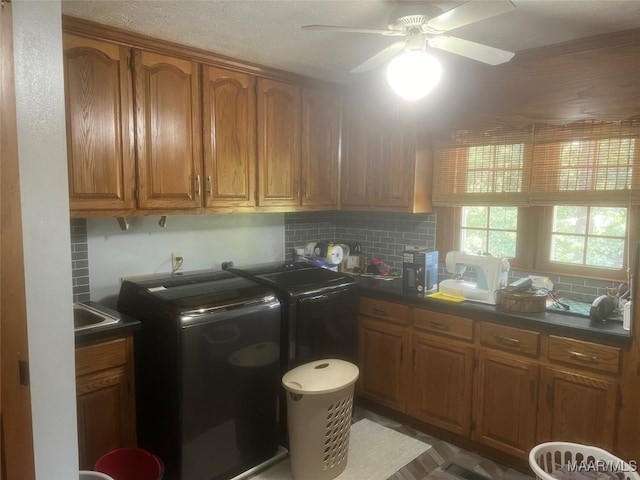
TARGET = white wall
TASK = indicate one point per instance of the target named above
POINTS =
(45, 220)
(205, 241)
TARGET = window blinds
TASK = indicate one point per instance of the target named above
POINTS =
(585, 162)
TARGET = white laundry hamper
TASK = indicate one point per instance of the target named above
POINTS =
(90, 475)
(319, 406)
(546, 458)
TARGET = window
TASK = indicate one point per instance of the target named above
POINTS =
(489, 230)
(565, 199)
(589, 236)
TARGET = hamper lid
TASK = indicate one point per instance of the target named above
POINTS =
(321, 376)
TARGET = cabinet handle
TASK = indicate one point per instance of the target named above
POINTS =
(583, 357)
(209, 185)
(197, 185)
(509, 342)
(304, 188)
(440, 326)
(296, 188)
(380, 312)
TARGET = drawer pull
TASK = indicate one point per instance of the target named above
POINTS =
(380, 312)
(583, 357)
(440, 326)
(507, 341)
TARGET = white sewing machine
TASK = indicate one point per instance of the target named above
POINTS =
(490, 273)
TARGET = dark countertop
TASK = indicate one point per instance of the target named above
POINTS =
(127, 326)
(610, 332)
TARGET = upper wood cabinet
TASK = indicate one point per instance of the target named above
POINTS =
(320, 147)
(385, 166)
(167, 106)
(229, 137)
(278, 143)
(99, 117)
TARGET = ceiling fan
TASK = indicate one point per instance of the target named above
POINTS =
(422, 25)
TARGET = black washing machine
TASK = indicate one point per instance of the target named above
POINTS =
(208, 372)
(319, 310)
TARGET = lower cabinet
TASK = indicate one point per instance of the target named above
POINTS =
(505, 397)
(441, 379)
(384, 351)
(503, 387)
(577, 407)
(105, 399)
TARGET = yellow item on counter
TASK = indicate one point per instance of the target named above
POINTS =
(447, 298)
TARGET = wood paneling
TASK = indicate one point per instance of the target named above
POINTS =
(229, 127)
(16, 437)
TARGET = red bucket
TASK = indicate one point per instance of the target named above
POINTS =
(130, 464)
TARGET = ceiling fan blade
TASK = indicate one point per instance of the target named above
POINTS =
(473, 50)
(470, 12)
(380, 57)
(337, 28)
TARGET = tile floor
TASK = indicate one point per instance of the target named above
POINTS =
(428, 465)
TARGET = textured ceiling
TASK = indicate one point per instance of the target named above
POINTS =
(268, 33)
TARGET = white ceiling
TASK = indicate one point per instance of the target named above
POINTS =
(268, 33)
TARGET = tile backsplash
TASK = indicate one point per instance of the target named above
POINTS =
(384, 235)
(381, 235)
(79, 260)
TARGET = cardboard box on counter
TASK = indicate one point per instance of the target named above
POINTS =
(419, 271)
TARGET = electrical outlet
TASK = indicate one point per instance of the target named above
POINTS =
(176, 261)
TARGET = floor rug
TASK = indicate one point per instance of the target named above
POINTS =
(375, 453)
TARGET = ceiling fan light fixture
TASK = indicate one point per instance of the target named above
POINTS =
(413, 74)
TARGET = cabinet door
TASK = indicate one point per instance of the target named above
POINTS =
(320, 141)
(99, 124)
(577, 408)
(361, 152)
(441, 379)
(383, 363)
(104, 423)
(229, 125)
(168, 132)
(278, 143)
(505, 403)
(395, 169)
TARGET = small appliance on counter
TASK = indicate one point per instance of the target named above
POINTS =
(490, 276)
(419, 271)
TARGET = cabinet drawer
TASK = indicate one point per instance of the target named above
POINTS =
(101, 356)
(443, 324)
(391, 312)
(516, 340)
(584, 354)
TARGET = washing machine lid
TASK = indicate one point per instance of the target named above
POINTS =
(296, 278)
(199, 290)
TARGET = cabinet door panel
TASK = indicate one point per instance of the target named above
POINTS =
(505, 403)
(383, 363)
(441, 383)
(99, 124)
(229, 137)
(103, 423)
(362, 132)
(577, 408)
(278, 143)
(320, 140)
(167, 127)
(395, 169)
